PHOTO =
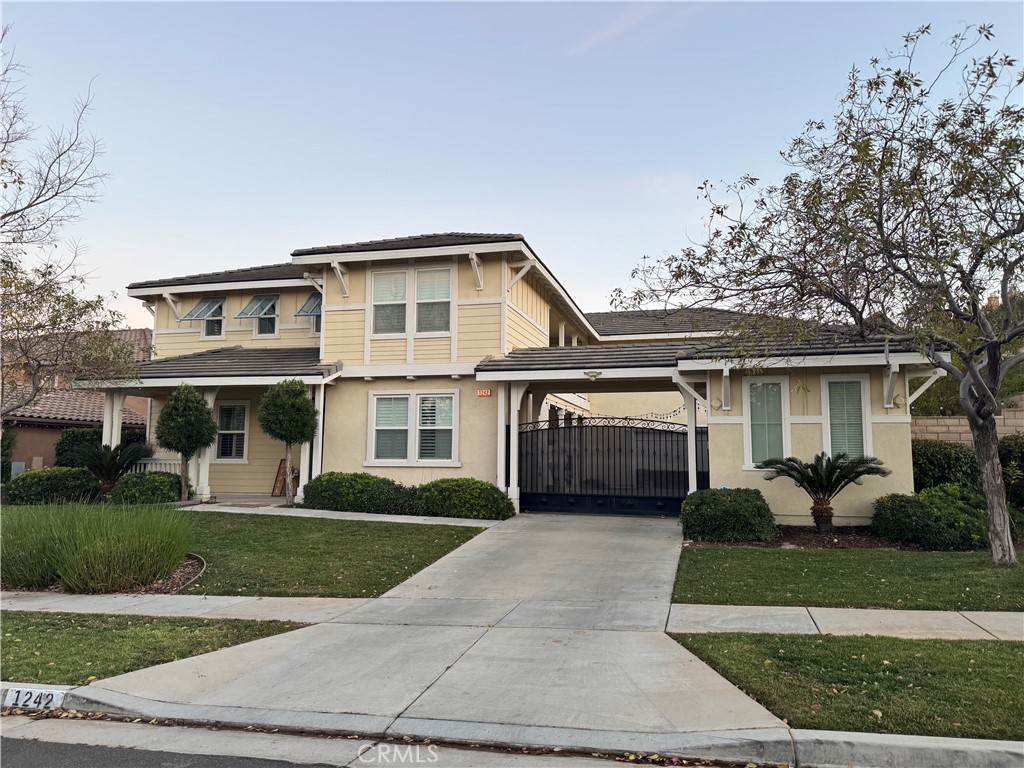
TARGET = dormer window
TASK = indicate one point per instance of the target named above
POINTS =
(210, 312)
(313, 308)
(263, 309)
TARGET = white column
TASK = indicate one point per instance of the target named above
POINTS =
(691, 441)
(319, 393)
(304, 451)
(113, 402)
(500, 478)
(203, 459)
(517, 389)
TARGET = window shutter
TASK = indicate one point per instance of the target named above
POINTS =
(846, 418)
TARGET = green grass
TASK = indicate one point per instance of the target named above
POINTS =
(965, 688)
(848, 578)
(69, 648)
(296, 556)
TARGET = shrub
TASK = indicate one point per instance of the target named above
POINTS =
(6, 453)
(938, 463)
(1011, 456)
(70, 443)
(727, 514)
(464, 497)
(945, 517)
(26, 543)
(146, 488)
(359, 492)
(109, 464)
(52, 486)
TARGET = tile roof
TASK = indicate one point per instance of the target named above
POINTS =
(141, 340)
(436, 240)
(594, 356)
(239, 361)
(652, 321)
(70, 406)
(268, 272)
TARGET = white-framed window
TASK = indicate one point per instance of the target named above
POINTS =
(434, 300)
(413, 428)
(313, 309)
(766, 432)
(210, 313)
(232, 431)
(389, 298)
(262, 309)
(846, 411)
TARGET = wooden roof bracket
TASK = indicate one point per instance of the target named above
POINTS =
(526, 267)
(342, 272)
(478, 271)
(172, 303)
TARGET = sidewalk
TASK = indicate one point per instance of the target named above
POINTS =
(328, 514)
(610, 615)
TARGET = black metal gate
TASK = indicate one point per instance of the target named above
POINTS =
(615, 465)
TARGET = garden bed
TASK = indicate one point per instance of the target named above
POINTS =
(805, 537)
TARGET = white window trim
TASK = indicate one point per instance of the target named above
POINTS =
(748, 462)
(452, 288)
(312, 324)
(277, 323)
(865, 401)
(373, 304)
(413, 429)
(223, 328)
(245, 447)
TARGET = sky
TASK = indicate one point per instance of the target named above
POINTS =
(234, 133)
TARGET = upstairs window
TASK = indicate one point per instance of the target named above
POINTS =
(433, 300)
(210, 312)
(231, 423)
(845, 417)
(313, 307)
(263, 309)
(389, 296)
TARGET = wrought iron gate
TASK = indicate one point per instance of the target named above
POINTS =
(616, 465)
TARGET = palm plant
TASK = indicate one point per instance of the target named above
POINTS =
(824, 478)
(107, 464)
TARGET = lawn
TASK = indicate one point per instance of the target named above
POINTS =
(965, 688)
(847, 578)
(71, 648)
(310, 557)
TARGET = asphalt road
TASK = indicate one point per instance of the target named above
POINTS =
(25, 753)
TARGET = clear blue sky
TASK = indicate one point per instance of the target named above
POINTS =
(237, 132)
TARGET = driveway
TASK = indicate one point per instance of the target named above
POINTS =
(545, 629)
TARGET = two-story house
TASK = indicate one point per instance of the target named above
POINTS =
(461, 355)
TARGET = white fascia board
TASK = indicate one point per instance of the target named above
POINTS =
(198, 381)
(570, 375)
(245, 285)
(406, 253)
(407, 369)
(607, 341)
(811, 361)
(560, 291)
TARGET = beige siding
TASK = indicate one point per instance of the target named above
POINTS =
(432, 349)
(346, 423)
(523, 333)
(344, 339)
(479, 331)
(388, 351)
(491, 267)
(526, 295)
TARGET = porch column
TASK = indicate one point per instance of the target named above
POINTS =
(304, 455)
(319, 391)
(517, 390)
(501, 479)
(203, 459)
(690, 403)
(113, 402)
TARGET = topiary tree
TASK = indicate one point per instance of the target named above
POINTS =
(824, 478)
(186, 426)
(287, 413)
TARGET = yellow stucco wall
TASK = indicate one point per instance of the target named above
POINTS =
(346, 424)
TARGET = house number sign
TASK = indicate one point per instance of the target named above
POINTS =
(33, 698)
(483, 393)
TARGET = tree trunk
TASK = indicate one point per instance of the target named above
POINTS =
(184, 477)
(821, 511)
(289, 493)
(986, 446)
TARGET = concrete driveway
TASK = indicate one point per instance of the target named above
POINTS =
(544, 630)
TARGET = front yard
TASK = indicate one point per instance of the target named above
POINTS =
(847, 578)
(963, 688)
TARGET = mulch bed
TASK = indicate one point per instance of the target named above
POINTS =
(846, 537)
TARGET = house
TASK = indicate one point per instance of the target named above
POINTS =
(460, 354)
(38, 424)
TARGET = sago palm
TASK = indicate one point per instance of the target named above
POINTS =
(108, 465)
(824, 478)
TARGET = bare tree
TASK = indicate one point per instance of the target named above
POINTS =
(903, 216)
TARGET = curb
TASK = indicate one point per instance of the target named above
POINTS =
(779, 746)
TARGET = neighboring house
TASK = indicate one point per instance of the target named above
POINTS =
(462, 355)
(37, 425)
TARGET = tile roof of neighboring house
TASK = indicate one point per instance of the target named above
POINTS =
(239, 361)
(651, 321)
(70, 407)
(437, 240)
(268, 272)
(141, 340)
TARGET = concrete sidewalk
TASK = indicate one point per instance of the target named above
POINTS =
(260, 508)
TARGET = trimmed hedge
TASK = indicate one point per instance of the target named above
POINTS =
(945, 517)
(359, 492)
(146, 488)
(1011, 456)
(938, 463)
(68, 446)
(728, 514)
(55, 485)
(464, 497)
